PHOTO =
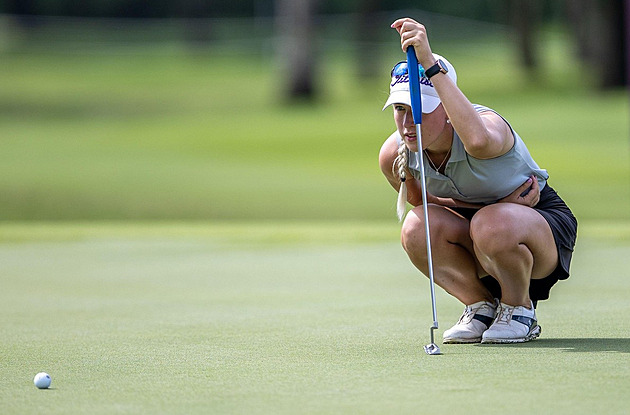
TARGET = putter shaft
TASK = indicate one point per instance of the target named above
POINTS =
(427, 233)
(416, 109)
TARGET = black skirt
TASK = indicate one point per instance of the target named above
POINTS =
(564, 229)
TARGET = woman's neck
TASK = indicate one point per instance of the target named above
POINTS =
(440, 147)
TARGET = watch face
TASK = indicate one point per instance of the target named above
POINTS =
(443, 67)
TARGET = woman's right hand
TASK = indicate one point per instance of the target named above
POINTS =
(527, 194)
(414, 34)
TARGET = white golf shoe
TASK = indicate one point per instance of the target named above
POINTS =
(512, 325)
(472, 324)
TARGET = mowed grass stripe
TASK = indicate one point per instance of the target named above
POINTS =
(195, 319)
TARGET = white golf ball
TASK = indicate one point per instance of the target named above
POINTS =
(42, 380)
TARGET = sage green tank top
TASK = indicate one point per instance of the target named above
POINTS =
(482, 181)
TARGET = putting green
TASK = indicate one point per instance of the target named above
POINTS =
(287, 318)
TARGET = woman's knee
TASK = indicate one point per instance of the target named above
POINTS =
(493, 228)
(412, 234)
(444, 227)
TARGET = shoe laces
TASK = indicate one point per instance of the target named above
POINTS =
(505, 314)
(469, 313)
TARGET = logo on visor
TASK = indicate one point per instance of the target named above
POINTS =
(403, 79)
(400, 79)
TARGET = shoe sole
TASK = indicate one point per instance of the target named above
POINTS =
(532, 335)
(461, 341)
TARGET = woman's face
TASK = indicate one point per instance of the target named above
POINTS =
(431, 127)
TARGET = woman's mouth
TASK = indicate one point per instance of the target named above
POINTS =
(411, 137)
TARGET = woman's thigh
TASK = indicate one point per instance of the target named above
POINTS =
(447, 228)
(501, 225)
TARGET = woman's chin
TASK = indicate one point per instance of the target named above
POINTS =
(412, 146)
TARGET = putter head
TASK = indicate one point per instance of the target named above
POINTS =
(432, 349)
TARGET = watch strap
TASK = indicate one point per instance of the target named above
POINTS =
(434, 70)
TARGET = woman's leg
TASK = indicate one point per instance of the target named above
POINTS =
(455, 268)
(514, 244)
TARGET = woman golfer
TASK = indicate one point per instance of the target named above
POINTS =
(501, 236)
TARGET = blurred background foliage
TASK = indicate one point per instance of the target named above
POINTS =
(486, 10)
(270, 110)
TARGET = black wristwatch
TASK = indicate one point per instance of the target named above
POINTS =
(439, 66)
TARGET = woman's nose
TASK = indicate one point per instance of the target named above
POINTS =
(409, 119)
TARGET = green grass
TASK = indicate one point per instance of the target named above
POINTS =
(176, 135)
(176, 239)
(286, 318)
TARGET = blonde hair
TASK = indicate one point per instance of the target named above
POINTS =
(399, 168)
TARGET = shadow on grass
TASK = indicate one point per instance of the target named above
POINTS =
(620, 345)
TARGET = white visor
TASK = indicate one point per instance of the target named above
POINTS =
(399, 88)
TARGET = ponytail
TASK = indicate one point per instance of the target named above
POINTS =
(399, 168)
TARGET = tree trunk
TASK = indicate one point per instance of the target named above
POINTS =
(367, 38)
(524, 16)
(614, 73)
(599, 30)
(295, 23)
(627, 40)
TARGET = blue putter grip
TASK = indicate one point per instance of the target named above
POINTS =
(414, 85)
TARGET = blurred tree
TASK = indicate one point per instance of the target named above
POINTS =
(626, 20)
(23, 11)
(524, 17)
(295, 23)
(367, 37)
(197, 31)
(600, 33)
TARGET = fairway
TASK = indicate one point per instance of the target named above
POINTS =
(177, 238)
(286, 318)
(173, 135)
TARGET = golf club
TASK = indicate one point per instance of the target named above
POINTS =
(416, 110)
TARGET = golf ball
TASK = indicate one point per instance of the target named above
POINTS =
(42, 380)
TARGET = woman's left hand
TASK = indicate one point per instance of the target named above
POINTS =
(527, 194)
